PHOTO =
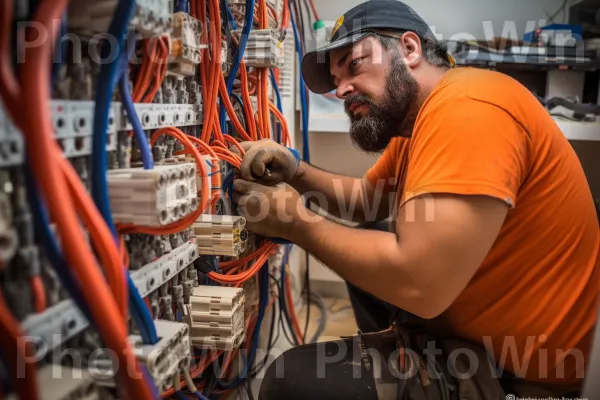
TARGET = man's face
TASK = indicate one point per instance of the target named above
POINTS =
(380, 94)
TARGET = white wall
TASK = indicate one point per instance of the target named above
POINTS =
(481, 19)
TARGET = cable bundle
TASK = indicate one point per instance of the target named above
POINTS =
(92, 260)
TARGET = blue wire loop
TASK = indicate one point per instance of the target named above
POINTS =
(248, 21)
(110, 73)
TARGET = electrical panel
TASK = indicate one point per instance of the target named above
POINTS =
(121, 244)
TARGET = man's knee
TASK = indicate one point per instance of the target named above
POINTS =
(321, 370)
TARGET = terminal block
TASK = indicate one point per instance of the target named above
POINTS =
(73, 126)
(164, 360)
(12, 149)
(185, 51)
(221, 235)
(216, 317)
(167, 358)
(58, 382)
(153, 197)
(150, 17)
(264, 49)
(155, 116)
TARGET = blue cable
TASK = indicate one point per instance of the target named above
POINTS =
(183, 6)
(200, 396)
(61, 49)
(180, 395)
(230, 18)
(138, 131)
(107, 80)
(305, 146)
(248, 21)
(278, 97)
(52, 251)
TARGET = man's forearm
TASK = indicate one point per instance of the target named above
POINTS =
(370, 260)
(342, 196)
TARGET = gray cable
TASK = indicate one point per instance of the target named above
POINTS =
(318, 301)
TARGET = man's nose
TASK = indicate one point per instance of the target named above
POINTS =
(344, 89)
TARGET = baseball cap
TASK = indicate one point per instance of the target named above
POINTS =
(356, 24)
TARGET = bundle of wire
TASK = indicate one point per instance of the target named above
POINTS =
(58, 196)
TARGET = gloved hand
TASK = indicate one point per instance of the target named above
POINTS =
(267, 162)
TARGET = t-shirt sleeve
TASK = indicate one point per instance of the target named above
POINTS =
(468, 147)
(383, 172)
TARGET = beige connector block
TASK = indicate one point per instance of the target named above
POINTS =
(155, 197)
(216, 317)
(224, 235)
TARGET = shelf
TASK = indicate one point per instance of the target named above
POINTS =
(491, 60)
(574, 130)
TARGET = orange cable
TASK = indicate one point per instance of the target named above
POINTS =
(43, 160)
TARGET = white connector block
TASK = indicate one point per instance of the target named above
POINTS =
(216, 317)
(167, 358)
(58, 382)
(264, 50)
(224, 235)
(73, 123)
(150, 17)
(164, 360)
(154, 197)
(156, 116)
(186, 46)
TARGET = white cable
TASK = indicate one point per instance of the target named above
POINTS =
(177, 383)
(189, 381)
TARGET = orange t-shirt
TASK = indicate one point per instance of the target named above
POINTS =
(536, 292)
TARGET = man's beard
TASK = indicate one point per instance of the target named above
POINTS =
(394, 115)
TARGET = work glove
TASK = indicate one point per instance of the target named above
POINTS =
(267, 162)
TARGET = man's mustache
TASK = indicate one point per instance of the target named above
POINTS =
(356, 99)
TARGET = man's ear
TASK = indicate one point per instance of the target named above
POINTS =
(411, 49)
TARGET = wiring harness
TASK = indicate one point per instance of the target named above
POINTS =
(155, 122)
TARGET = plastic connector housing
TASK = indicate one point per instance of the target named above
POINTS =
(223, 235)
(216, 317)
(155, 116)
(264, 50)
(152, 276)
(12, 147)
(164, 360)
(169, 356)
(185, 51)
(58, 382)
(73, 123)
(150, 17)
(153, 197)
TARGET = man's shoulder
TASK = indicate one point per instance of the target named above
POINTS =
(468, 85)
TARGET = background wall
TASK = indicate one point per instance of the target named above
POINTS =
(449, 19)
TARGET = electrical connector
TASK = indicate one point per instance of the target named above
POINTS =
(153, 197)
(164, 360)
(264, 49)
(156, 116)
(12, 149)
(216, 317)
(224, 235)
(58, 382)
(186, 46)
(150, 17)
(151, 277)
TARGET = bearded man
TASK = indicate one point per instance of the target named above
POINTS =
(485, 283)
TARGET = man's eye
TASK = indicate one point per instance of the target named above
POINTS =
(355, 63)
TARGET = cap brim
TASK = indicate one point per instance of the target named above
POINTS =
(315, 64)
